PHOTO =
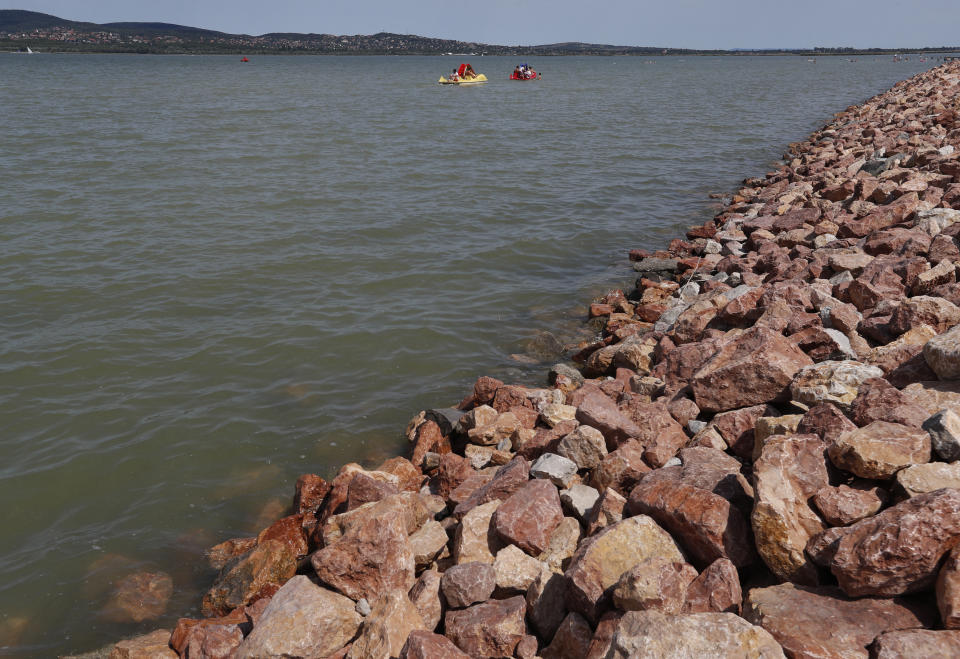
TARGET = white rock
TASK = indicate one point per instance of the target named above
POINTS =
(556, 468)
(579, 500)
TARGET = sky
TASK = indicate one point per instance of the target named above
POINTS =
(702, 24)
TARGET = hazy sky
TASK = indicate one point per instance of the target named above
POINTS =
(673, 23)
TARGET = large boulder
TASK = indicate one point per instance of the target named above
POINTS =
(468, 583)
(528, 516)
(600, 561)
(258, 573)
(753, 368)
(302, 620)
(653, 634)
(373, 557)
(475, 539)
(880, 449)
(822, 622)
(715, 590)
(831, 382)
(491, 629)
(705, 524)
(916, 643)
(899, 550)
(385, 630)
(654, 584)
(942, 353)
(790, 470)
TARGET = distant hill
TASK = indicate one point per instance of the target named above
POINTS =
(20, 29)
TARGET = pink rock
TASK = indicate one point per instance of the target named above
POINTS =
(257, 574)
(790, 470)
(705, 524)
(822, 622)
(427, 645)
(491, 629)
(936, 312)
(425, 595)
(877, 400)
(843, 505)
(916, 643)
(373, 557)
(948, 590)
(598, 411)
(385, 629)
(899, 550)
(880, 449)
(716, 589)
(825, 421)
(607, 511)
(452, 471)
(215, 641)
(654, 584)
(657, 430)
(508, 479)
(621, 470)
(753, 368)
(529, 516)
(737, 427)
(310, 492)
(468, 583)
(571, 640)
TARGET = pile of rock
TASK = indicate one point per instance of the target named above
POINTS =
(757, 458)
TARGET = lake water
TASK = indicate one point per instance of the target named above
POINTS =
(216, 276)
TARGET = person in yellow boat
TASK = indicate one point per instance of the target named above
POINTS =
(469, 72)
(453, 77)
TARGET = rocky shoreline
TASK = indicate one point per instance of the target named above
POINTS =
(756, 458)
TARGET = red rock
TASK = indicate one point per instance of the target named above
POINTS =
(916, 643)
(468, 583)
(149, 646)
(880, 449)
(429, 439)
(598, 411)
(608, 510)
(603, 635)
(790, 470)
(289, 531)
(509, 396)
(546, 440)
(654, 584)
(821, 622)
(600, 560)
(483, 391)
(948, 590)
(186, 628)
(678, 366)
(214, 641)
(425, 595)
(737, 426)
(571, 640)
(705, 524)
(657, 430)
(427, 645)
(508, 479)
(621, 470)
(385, 629)
(219, 555)
(713, 470)
(451, 473)
(716, 589)
(877, 400)
(899, 550)
(529, 516)
(656, 634)
(825, 421)
(753, 368)
(371, 558)
(491, 629)
(257, 574)
(139, 597)
(310, 492)
(364, 489)
(882, 217)
(843, 505)
(302, 620)
(936, 312)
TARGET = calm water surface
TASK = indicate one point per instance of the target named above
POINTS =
(217, 276)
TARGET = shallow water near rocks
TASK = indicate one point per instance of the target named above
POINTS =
(217, 276)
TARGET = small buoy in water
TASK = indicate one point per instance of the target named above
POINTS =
(244, 60)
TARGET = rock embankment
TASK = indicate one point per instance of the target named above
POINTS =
(757, 458)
